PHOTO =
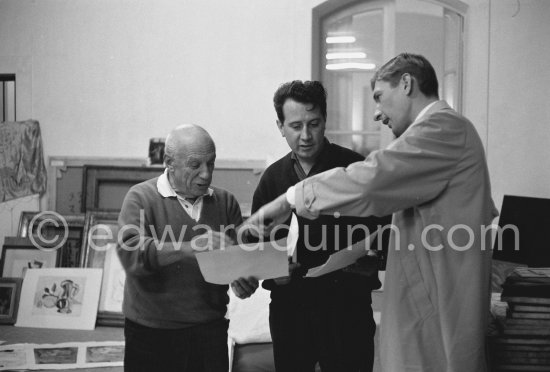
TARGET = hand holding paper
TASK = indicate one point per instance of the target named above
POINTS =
(365, 266)
(244, 287)
(286, 279)
(263, 260)
(268, 217)
(343, 258)
(270, 260)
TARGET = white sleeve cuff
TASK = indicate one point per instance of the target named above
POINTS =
(291, 196)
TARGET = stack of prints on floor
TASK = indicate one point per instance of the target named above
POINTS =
(524, 343)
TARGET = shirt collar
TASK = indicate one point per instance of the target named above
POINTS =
(423, 112)
(166, 191)
(320, 159)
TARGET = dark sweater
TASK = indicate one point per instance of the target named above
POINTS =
(174, 296)
(327, 233)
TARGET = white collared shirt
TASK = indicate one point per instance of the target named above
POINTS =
(192, 209)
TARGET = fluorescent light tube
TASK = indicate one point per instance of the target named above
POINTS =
(351, 65)
(346, 55)
(340, 39)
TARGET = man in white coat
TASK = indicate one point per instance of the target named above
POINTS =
(433, 177)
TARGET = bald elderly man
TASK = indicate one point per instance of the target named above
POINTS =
(174, 318)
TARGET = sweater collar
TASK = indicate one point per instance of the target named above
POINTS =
(167, 191)
(321, 159)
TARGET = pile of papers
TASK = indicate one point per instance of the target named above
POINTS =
(68, 355)
(524, 343)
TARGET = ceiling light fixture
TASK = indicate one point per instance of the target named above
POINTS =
(340, 39)
(351, 65)
(346, 55)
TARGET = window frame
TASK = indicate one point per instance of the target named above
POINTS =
(4, 80)
(330, 8)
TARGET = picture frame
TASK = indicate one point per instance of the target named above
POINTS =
(156, 151)
(101, 229)
(20, 254)
(104, 187)
(10, 291)
(64, 298)
(51, 226)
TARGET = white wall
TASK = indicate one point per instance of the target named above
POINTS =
(519, 94)
(108, 75)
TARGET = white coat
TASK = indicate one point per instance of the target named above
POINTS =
(434, 179)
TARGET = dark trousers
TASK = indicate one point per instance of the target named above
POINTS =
(339, 336)
(202, 348)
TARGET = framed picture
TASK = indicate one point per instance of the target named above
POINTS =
(20, 254)
(104, 187)
(10, 289)
(100, 252)
(65, 298)
(156, 150)
(48, 229)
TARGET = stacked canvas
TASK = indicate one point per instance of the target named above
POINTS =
(524, 344)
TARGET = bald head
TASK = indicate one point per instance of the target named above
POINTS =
(189, 157)
(187, 138)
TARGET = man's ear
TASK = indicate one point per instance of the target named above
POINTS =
(407, 82)
(168, 163)
(280, 126)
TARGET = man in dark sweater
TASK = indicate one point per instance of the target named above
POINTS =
(326, 320)
(175, 320)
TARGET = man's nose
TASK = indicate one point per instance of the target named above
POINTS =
(205, 172)
(378, 115)
(306, 133)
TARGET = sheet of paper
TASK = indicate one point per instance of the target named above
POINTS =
(292, 238)
(343, 258)
(13, 357)
(264, 260)
(112, 285)
(68, 355)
